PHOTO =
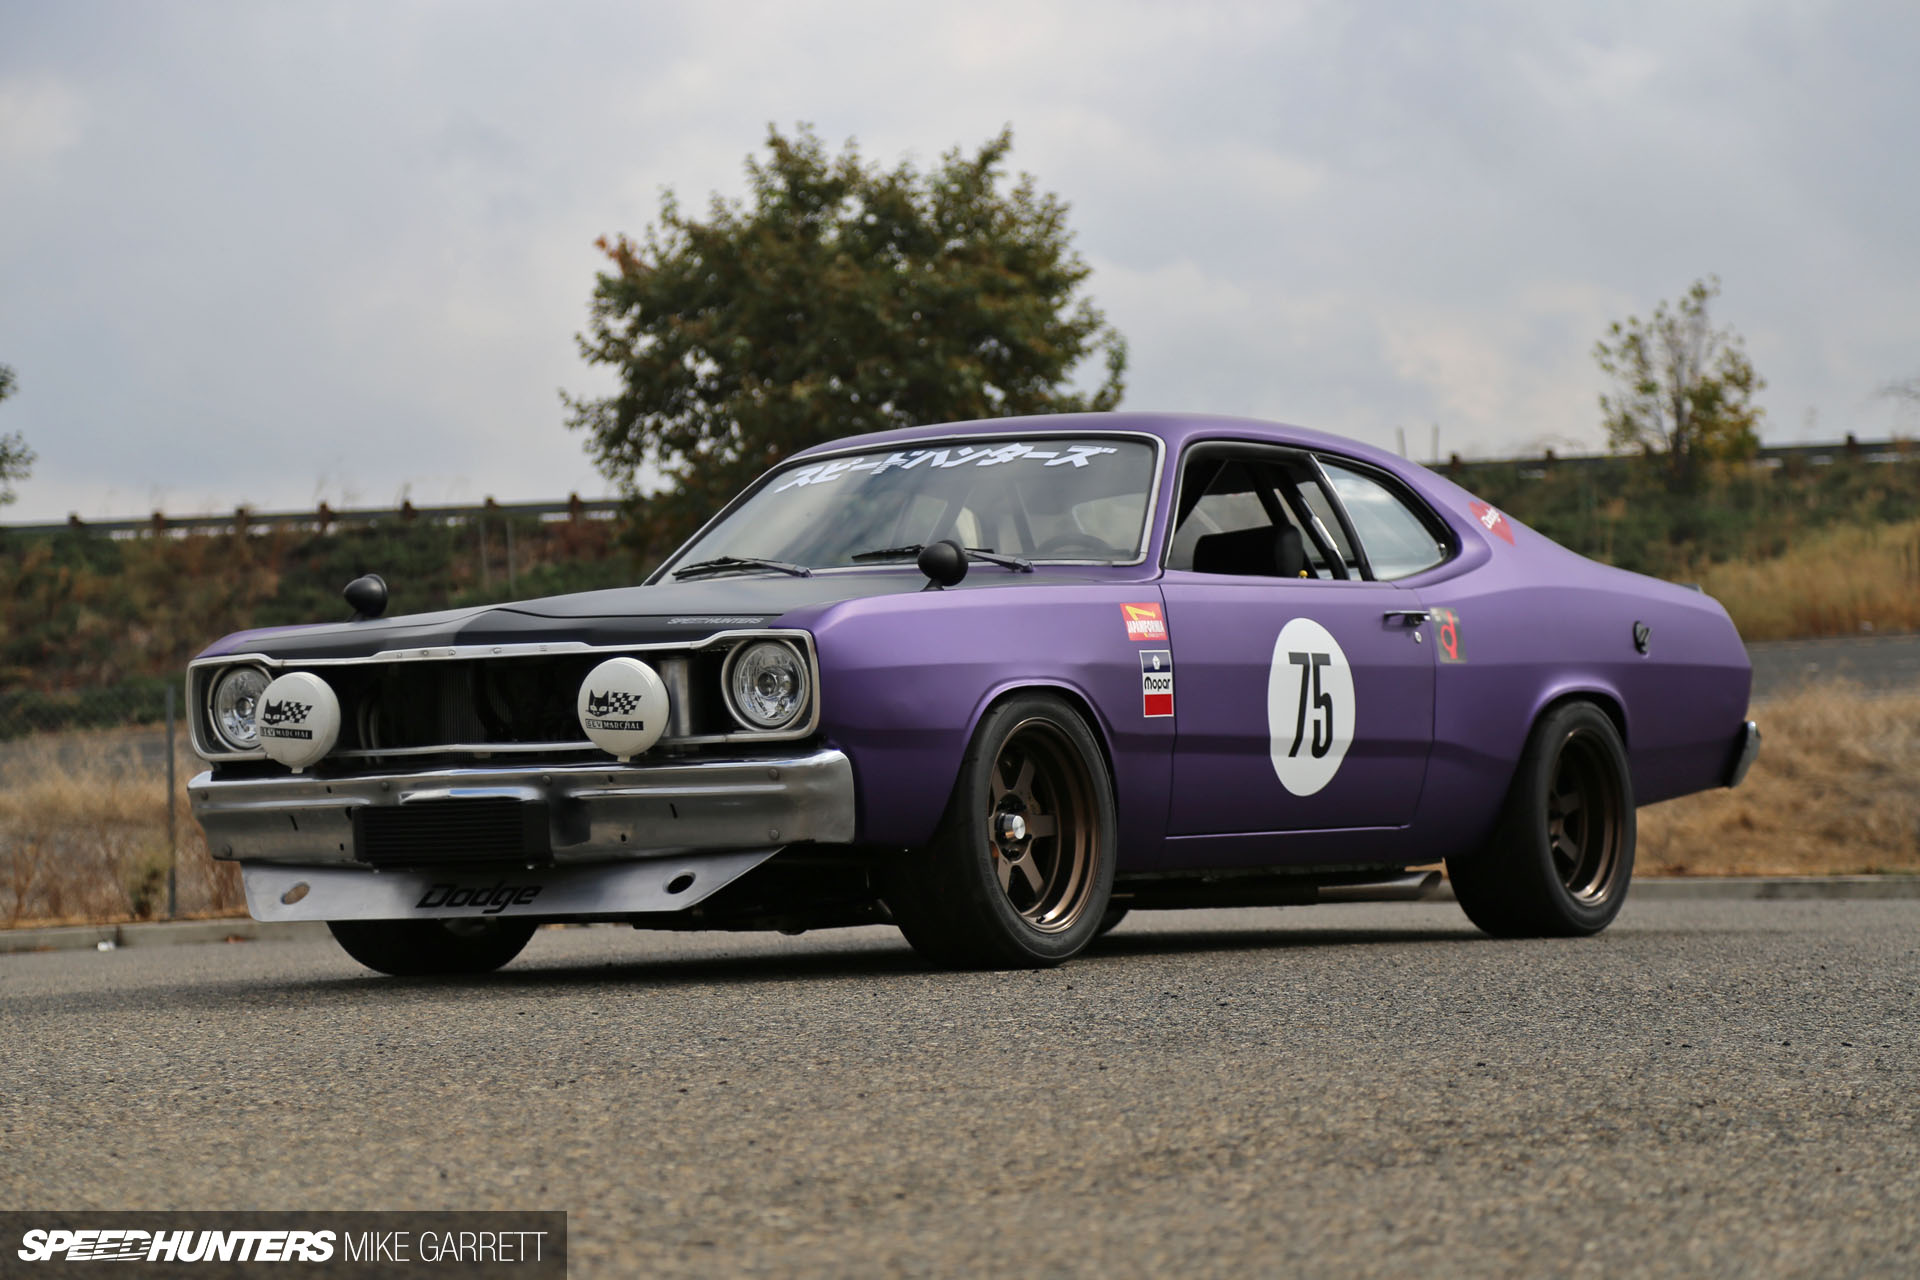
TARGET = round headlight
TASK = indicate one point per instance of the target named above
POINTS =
(766, 684)
(235, 706)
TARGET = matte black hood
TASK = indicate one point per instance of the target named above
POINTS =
(667, 612)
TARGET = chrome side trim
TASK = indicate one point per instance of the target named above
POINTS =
(1415, 887)
(475, 893)
(596, 812)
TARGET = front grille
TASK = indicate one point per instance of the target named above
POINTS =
(506, 702)
(439, 832)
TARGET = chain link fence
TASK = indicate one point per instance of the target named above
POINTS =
(94, 820)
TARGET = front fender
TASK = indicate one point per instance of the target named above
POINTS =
(904, 681)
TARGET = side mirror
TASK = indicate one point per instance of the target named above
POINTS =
(367, 595)
(944, 563)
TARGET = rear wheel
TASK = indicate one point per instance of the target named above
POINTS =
(1561, 857)
(418, 948)
(1021, 869)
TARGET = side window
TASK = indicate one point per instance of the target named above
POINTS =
(1326, 524)
(1227, 503)
(1398, 542)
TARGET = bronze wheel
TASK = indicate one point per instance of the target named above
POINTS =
(1040, 825)
(1561, 858)
(1583, 816)
(1021, 870)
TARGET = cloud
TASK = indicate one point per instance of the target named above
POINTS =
(250, 251)
(41, 116)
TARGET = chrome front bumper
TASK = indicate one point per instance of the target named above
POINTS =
(597, 813)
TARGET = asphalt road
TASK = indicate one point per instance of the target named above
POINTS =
(1709, 1088)
(1876, 662)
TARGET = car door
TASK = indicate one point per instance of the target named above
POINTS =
(1304, 702)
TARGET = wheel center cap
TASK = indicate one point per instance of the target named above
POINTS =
(1013, 828)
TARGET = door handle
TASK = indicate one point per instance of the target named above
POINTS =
(1412, 617)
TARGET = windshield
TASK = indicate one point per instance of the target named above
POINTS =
(1051, 498)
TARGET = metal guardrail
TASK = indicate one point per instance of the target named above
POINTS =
(324, 518)
(1768, 456)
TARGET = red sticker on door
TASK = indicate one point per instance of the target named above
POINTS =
(1156, 682)
(1492, 521)
(1446, 630)
(1144, 622)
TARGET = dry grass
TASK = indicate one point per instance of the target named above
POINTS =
(83, 833)
(1836, 791)
(83, 817)
(1840, 582)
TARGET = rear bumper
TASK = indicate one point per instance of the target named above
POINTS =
(595, 813)
(1746, 750)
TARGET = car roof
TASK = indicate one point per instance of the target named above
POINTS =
(1177, 429)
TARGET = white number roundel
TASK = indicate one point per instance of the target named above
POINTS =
(1310, 706)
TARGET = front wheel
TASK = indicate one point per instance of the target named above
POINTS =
(1562, 855)
(1021, 869)
(420, 948)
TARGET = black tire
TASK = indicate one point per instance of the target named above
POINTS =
(422, 948)
(1110, 921)
(1020, 872)
(1561, 857)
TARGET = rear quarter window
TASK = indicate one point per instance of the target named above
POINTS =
(1399, 542)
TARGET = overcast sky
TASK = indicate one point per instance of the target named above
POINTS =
(267, 254)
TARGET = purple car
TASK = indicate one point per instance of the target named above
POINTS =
(996, 683)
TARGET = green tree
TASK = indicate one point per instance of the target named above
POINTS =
(1683, 390)
(16, 460)
(840, 298)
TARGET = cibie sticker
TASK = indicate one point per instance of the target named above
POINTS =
(1492, 521)
(1310, 706)
(1144, 622)
(1156, 682)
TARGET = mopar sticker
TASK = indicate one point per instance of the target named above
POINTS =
(1144, 622)
(1310, 706)
(1156, 682)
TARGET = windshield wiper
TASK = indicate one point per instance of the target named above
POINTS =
(727, 564)
(1015, 563)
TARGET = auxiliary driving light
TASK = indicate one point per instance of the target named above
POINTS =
(298, 718)
(623, 707)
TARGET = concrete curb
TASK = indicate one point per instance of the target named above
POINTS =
(161, 933)
(177, 933)
(1753, 888)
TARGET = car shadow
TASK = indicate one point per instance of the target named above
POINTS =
(874, 958)
(1168, 942)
